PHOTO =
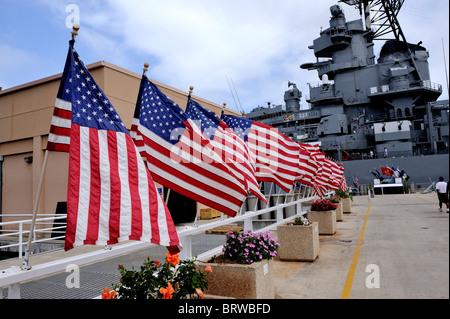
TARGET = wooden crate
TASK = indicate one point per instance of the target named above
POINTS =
(209, 213)
(223, 230)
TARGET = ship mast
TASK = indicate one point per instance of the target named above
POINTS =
(380, 16)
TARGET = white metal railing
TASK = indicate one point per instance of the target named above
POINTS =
(13, 277)
(422, 84)
(17, 233)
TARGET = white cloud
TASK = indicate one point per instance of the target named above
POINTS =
(259, 44)
(201, 42)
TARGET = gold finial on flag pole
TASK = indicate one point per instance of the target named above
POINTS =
(224, 106)
(191, 89)
(75, 28)
(146, 65)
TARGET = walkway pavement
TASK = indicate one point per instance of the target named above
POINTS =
(405, 242)
(393, 247)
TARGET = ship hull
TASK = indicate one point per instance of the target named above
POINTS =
(420, 169)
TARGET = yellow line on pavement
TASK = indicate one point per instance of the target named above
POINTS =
(351, 273)
(434, 203)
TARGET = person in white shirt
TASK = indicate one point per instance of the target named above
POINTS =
(441, 189)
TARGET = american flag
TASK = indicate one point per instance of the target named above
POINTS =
(343, 186)
(179, 155)
(307, 165)
(325, 173)
(336, 175)
(328, 172)
(312, 148)
(111, 196)
(277, 156)
(233, 149)
(318, 182)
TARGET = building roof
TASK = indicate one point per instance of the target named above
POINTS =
(105, 64)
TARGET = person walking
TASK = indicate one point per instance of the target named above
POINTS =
(442, 193)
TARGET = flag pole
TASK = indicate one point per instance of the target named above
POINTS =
(195, 225)
(145, 70)
(25, 265)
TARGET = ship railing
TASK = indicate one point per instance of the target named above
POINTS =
(431, 85)
(420, 84)
(319, 84)
(47, 228)
(13, 277)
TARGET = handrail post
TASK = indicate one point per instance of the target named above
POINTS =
(14, 291)
(186, 242)
(299, 208)
(25, 263)
(20, 239)
(248, 224)
(279, 215)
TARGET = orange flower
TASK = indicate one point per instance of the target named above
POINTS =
(157, 263)
(208, 269)
(172, 259)
(199, 293)
(106, 294)
(167, 293)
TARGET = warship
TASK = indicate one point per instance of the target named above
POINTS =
(367, 112)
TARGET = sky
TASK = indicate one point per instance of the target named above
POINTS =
(242, 53)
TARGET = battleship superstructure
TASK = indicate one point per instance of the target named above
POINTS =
(362, 105)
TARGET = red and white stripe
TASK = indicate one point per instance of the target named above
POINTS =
(343, 186)
(111, 194)
(312, 148)
(336, 175)
(277, 156)
(191, 167)
(307, 168)
(59, 136)
(318, 159)
(237, 155)
(323, 178)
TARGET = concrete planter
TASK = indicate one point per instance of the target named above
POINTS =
(255, 281)
(346, 205)
(298, 243)
(326, 220)
(340, 212)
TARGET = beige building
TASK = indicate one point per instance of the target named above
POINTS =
(25, 116)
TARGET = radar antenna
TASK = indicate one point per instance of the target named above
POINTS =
(381, 17)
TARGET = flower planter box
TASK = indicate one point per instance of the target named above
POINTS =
(340, 212)
(255, 281)
(325, 219)
(298, 243)
(346, 205)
